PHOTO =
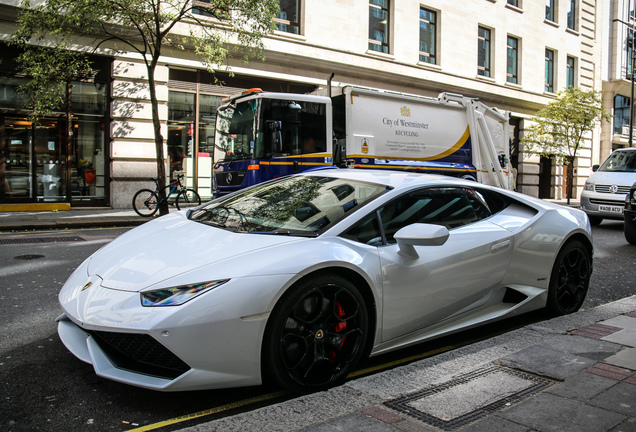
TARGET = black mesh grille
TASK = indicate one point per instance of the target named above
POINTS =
(140, 353)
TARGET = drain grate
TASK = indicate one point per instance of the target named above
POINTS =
(27, 240)
(484, 392)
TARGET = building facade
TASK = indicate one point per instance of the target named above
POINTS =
(511, 54)
(619, 24)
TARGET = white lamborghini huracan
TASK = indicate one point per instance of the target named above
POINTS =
(295, 279)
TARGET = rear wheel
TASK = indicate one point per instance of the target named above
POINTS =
(630, 230)
(316, 334)
(570, 279)
(188, 198)
(145, 202)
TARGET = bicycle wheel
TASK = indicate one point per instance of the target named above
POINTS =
(188, 198)
(145, 202)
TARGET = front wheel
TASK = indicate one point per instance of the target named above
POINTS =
(187, 198)
(570, 279)
(145, 202)
(316, 334)
(630, 230)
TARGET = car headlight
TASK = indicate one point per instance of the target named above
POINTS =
(589, 186)
(176, 296)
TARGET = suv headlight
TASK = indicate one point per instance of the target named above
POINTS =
(589, 186)
(176, 296)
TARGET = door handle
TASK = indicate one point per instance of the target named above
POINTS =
(500, 246)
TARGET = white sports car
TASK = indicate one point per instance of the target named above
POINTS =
(295, 279)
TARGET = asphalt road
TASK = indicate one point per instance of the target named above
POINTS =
(45, 388)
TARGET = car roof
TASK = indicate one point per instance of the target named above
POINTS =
(395, 179)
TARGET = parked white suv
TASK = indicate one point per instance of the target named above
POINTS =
(604, 194)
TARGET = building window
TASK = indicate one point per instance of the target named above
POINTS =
(428, 36)
(550, 11)
(379, 25)
(570, 72)
(572, 15)
(621, 114)
(549, 70)
(514, 3)
(512, 73)
(483, 52)
(288, 19)
(206, 8)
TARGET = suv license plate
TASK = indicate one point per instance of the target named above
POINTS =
(611, 209)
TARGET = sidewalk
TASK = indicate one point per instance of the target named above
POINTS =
(573, 373)
(70, 219)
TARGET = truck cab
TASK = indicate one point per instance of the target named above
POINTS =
(261, 135)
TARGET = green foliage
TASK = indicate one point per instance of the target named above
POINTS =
(560, 128)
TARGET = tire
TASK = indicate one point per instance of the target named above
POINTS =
(188, 198)
(570, 279)
(595, 220)
(316, 334)
(630, 230)
(145, 202)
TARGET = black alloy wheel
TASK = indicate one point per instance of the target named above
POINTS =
(570, 279)
(316, 334)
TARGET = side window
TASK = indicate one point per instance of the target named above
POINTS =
(450, 207)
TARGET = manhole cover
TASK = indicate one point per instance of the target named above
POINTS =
(28, 257)
(469, 397)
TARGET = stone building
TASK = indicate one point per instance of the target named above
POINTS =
(511, 54)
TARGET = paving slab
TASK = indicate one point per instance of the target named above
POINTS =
(351, 422)
(495, 424)
(625, 358)
(619, 398)
(622, 321)
(547, 413)
(547, 362)
(582, 387)
(623, 337)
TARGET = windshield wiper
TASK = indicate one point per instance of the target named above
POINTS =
(287, 233)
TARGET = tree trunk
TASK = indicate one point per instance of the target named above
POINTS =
(161, 166)
(569, 178)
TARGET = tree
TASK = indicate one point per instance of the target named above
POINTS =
(560, 128)
(213, 29)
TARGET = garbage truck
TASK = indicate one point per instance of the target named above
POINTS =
(263, 135)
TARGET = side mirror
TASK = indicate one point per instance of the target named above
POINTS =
(595, 168)
(420, 235)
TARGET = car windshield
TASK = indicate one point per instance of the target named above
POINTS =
(620, 161)
(293, 205)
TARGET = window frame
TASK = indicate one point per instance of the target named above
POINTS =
(373, 43)
(484, 65)
(570, 72)
(280, 21)
(551, 10)
(427, 57)
(549, 70)
(512, 77)
(624, 109)
(571, 15)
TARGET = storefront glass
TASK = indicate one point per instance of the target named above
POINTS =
(39, 164)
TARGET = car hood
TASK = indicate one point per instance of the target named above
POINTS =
(610, 178)
(170, 246)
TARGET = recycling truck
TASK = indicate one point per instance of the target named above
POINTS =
(263, 135)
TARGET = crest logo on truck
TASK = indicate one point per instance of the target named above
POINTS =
(405, 111)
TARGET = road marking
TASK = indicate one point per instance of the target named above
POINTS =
(209, 412)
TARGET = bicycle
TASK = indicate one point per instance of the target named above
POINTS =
(146, 202)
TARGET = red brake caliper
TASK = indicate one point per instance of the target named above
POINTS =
(339, 328)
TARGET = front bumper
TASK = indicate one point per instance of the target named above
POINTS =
(606, 206)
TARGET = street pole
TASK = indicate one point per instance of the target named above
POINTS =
(631, 105)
